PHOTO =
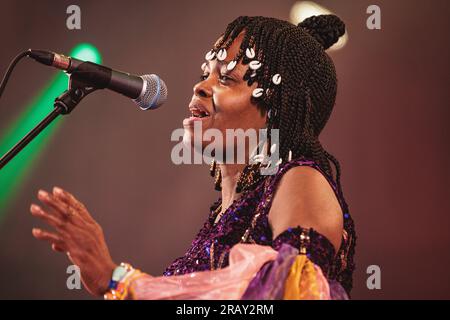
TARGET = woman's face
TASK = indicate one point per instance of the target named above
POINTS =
(225, 96)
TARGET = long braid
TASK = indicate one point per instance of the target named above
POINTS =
(302, 104)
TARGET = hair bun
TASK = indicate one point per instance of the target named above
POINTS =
(325, 28)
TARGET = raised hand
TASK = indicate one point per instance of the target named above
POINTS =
(76, 233)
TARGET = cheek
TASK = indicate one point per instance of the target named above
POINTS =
(234, 108)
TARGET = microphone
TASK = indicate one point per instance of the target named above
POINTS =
(147, 91)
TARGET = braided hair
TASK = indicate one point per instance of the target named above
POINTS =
(299, 106)
(302, 103)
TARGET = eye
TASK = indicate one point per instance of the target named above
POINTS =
(224, 78)
(203, 77)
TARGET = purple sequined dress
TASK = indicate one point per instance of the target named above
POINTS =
(246, 221)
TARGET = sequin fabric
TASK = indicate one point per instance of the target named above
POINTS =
(246, 221)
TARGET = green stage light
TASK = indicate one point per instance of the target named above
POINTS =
(86, 52)
(14, 173)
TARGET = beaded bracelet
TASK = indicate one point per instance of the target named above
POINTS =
(121, 278)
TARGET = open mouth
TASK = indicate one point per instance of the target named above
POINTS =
(198, 113)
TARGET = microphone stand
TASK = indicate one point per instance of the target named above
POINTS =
(64, 104)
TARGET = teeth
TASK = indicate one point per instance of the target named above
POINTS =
(199, 114)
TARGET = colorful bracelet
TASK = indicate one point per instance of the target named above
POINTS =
(120, 281)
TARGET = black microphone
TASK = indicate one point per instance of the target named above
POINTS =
(147, 91)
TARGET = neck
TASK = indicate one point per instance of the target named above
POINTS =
(230, 176)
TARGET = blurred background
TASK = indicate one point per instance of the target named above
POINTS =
(389, 131)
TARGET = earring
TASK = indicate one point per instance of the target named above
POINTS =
(218, 180)
(248, 178)
(212, 168)
(214, 171)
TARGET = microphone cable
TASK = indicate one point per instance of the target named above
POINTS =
(10, 69)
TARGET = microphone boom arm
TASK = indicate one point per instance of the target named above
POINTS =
(64, 104)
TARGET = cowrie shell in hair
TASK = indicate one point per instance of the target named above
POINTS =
(203, 66)
(250, 53)
(276, 79)
(253, 74)
(258, 158)
(210, 55)
(269, 114)
(258, 92)
(255, 65)
(290, 155)
(273, 148)
(222, 54)
(231, 65)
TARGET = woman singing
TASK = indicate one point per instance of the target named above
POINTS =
(285, 235)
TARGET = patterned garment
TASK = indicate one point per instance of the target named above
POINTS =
(246, 221)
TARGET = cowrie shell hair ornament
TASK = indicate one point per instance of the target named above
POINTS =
(203, 66)
(255, 65)
(259, 158)
(210, 55)
(290, 155)
(271, 113)
(258, 92)
(253, 74)
(222, 54)
(231, 65)
(276, 79)
(250, 53)
(273, 148)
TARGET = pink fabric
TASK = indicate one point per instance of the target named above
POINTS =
(322, 284)
(228, 283)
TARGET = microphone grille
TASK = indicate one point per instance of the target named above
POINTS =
(154, 92)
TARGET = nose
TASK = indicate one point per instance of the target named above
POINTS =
(202, 89)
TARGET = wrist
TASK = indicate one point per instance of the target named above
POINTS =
(104, 282)
(119, 283)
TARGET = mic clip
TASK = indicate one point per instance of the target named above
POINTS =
(70, 98)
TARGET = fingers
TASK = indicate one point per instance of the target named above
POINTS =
(57, 244)
(52, 220)
(61, 208)
(64, 212)
(46, 236)
(67, 198)
(57, 248)
(70, 200)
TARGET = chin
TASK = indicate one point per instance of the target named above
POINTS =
(188, 141)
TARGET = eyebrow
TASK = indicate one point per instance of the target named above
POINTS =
(220, 64)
